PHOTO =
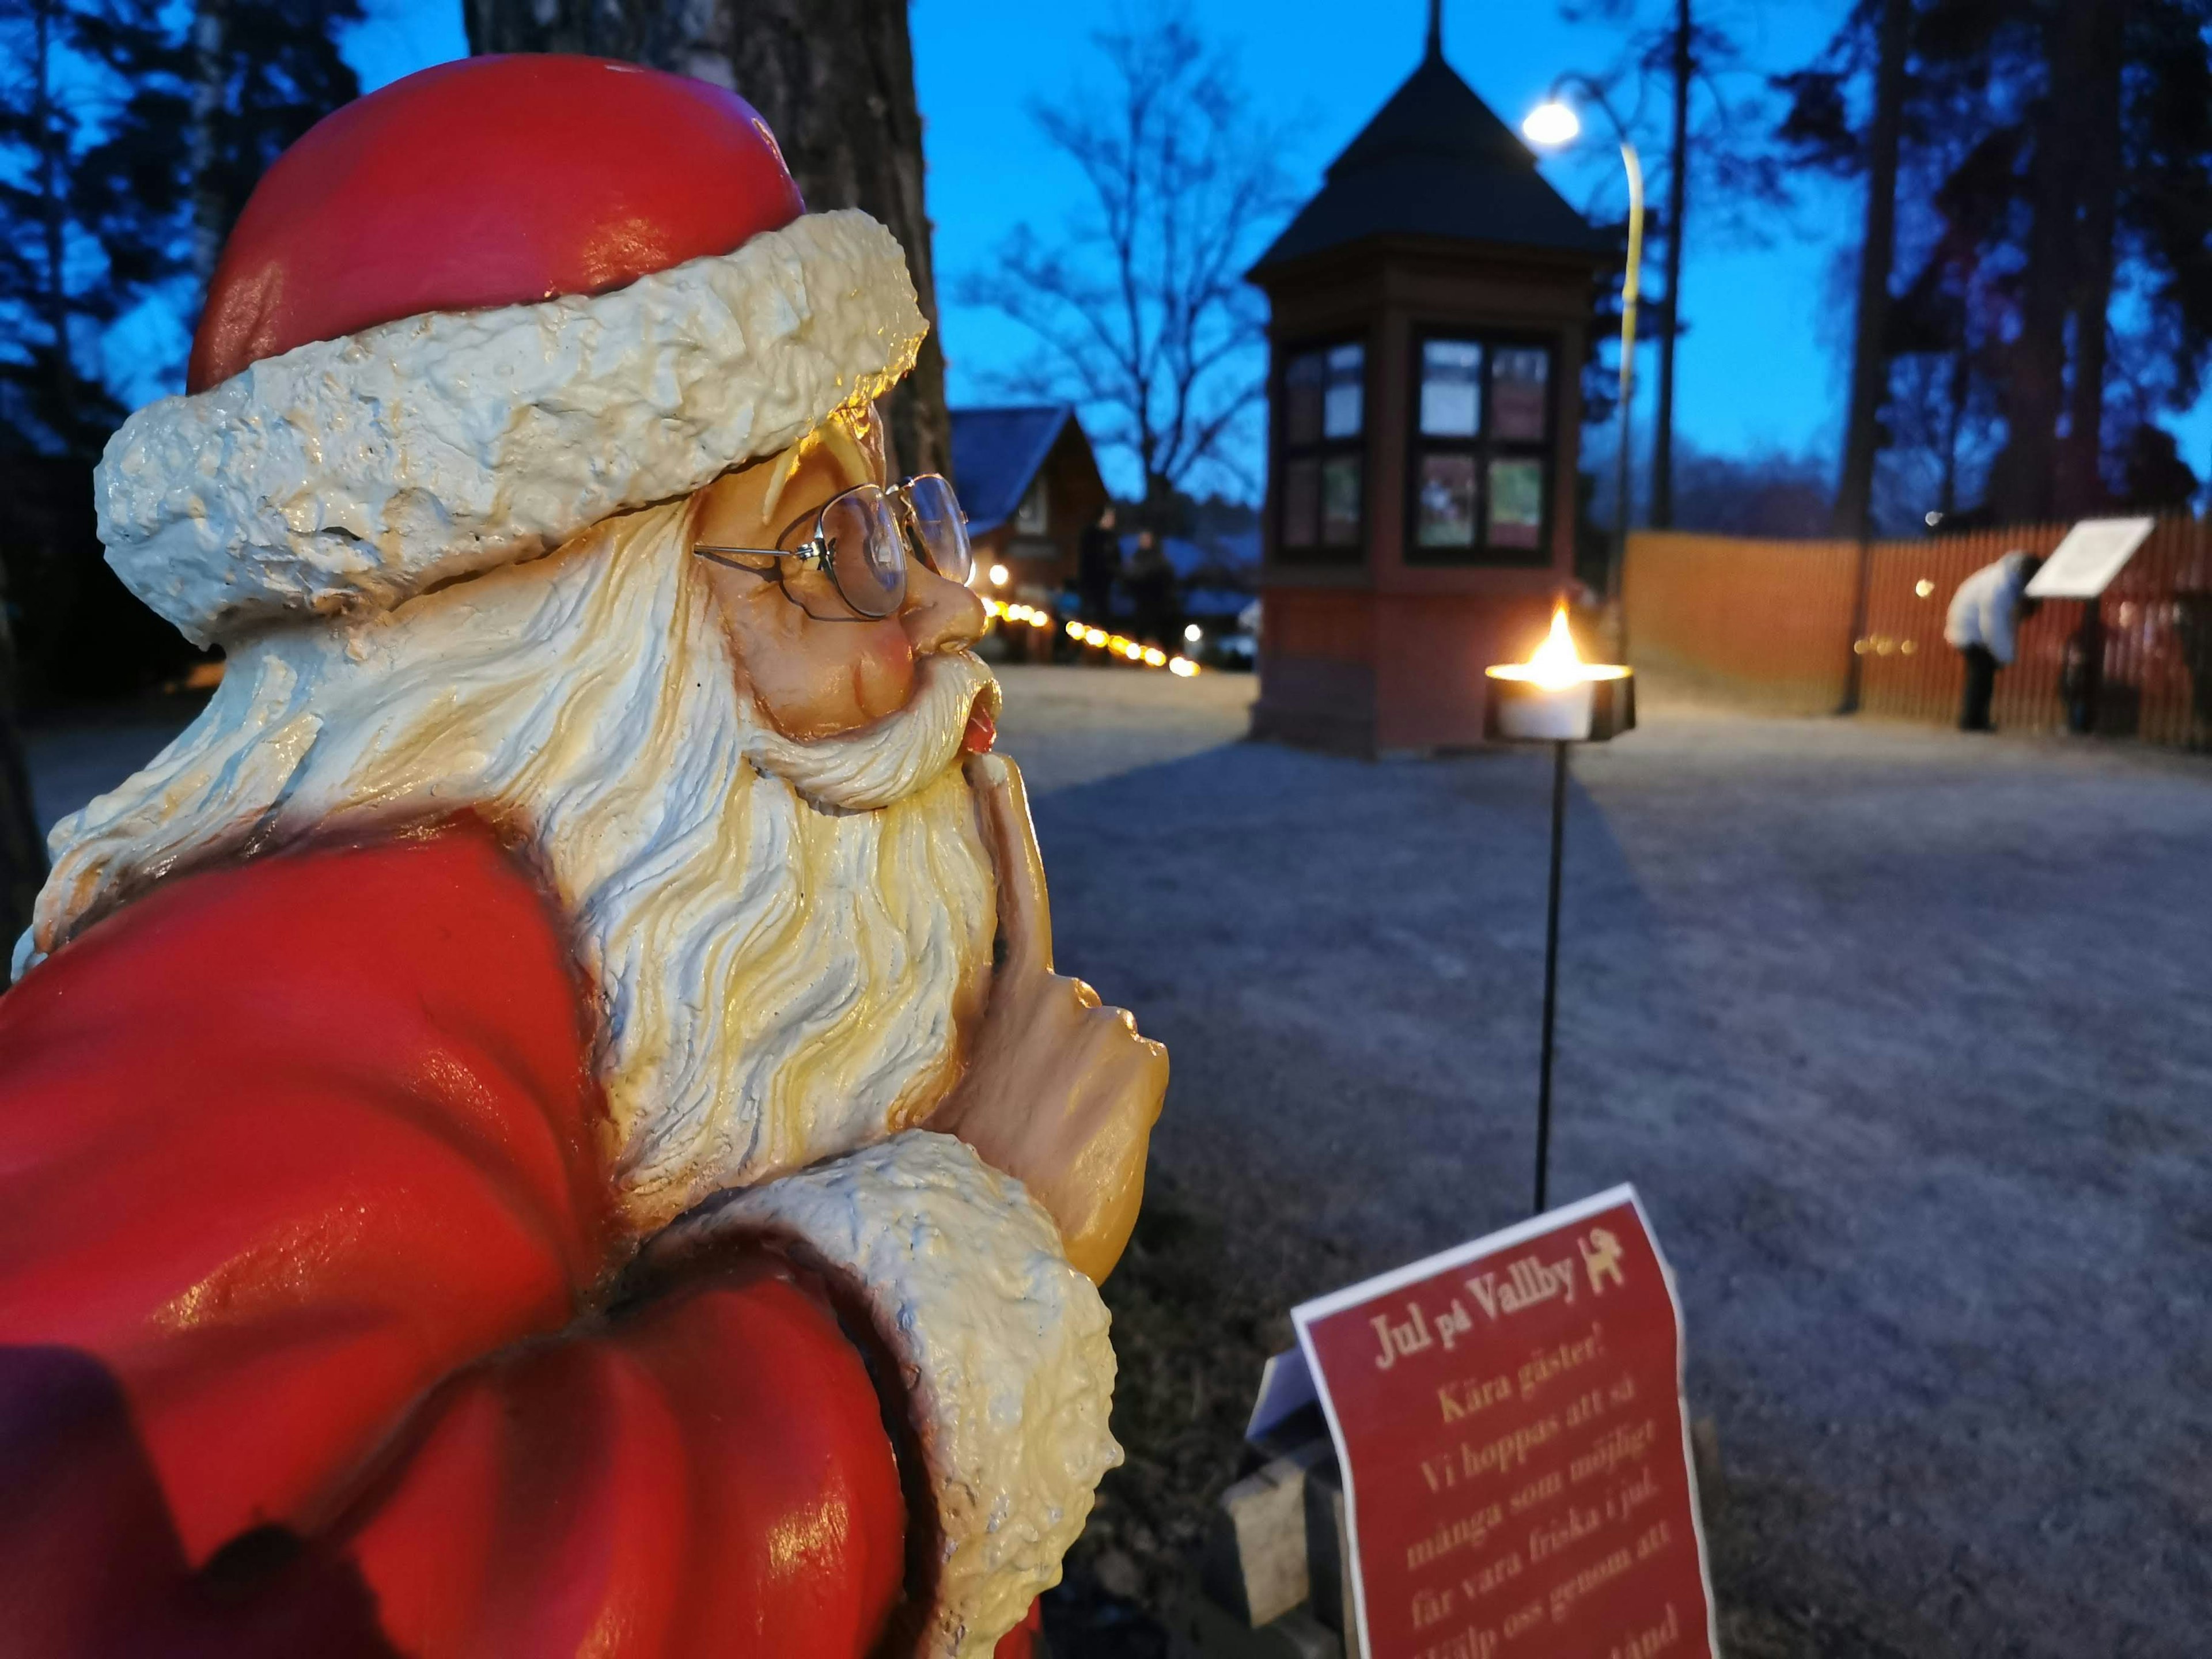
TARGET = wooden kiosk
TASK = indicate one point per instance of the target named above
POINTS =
(1428, 309)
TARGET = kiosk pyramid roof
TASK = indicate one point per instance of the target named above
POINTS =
(1436, 162)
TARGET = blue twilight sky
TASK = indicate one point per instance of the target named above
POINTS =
(1761, 368)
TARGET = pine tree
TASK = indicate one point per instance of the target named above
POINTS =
(118, 130)
(81, 92)
(2060, 155)
(128, 147)
(22, 850)
(262, 72)
(1877, 254)
(88, 187)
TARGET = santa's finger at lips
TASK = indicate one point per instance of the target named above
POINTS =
(1024, 903)
(1024, 907)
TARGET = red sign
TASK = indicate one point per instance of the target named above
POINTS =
(1510, 1422)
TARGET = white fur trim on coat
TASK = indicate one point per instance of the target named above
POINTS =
(357, 472)
(1001, 1344)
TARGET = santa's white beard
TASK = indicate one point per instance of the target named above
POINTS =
(786, 941)
(885, 763)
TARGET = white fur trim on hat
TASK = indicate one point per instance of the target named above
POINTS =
(357, 472)
(1002, 1345)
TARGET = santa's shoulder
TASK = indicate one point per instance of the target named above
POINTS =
(379, 944)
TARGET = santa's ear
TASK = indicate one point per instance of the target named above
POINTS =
(854, 439)
(726, 512)
(830, 458)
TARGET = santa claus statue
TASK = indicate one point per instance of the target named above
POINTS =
(544, 1123)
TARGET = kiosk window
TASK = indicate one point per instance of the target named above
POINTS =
(1324, 425)
(1481, 450)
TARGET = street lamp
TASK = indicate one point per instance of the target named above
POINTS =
(1552, 124)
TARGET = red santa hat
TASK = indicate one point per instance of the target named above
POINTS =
(473, 313)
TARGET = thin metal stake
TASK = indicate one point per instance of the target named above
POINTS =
(1551, 972)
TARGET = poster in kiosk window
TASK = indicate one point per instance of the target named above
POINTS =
(1509, 1421)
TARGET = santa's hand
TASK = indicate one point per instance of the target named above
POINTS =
(1060, 1093)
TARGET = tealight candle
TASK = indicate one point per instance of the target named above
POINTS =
(1556, 698)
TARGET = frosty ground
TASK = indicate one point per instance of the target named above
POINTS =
(1904, 1036)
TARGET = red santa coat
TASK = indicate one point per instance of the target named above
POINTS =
(304, 1232)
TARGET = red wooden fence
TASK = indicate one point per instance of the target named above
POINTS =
(1757, 622)
(1778, 625)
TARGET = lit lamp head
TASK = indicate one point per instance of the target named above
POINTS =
(1551, 124)
(1556, 698)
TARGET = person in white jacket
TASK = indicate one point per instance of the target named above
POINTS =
(1982, 626)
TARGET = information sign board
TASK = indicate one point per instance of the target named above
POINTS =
(2083, 565)
(1509, 1423)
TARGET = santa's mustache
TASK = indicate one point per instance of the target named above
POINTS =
(860, 771)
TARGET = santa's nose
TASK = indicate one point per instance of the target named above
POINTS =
(940, 615)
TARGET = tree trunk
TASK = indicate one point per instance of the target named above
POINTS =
(834, 79)
(2023, 480)
(2080, 482)
(210, 78)
(1663, 430)
(1870, 344)
(22, 849)
(54, 301)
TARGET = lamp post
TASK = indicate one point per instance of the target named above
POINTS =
(1551, 125)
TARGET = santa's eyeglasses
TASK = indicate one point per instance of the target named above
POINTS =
(861, 537)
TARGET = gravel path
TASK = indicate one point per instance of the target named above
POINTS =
(72, 760)
(1904, 1036)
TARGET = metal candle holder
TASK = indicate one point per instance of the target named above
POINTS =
(1556, 697)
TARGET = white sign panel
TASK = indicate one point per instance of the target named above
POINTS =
(2083, 565)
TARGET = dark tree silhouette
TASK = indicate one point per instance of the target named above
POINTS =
(130, 138)
(90, 106)
(81, 89)
(23, 852)
(125, 127)
(1870, 341)
(261, 72)
(2054, 227)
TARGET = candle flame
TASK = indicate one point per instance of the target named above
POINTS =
(1556, 664)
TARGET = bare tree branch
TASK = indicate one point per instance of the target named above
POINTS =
(1138, 307)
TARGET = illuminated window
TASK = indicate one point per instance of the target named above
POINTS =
(1451, 388)
(1481, 450)
(1321, 478)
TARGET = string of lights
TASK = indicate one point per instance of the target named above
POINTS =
(1017, 615)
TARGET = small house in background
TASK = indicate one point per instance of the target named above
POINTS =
(1030, 484)
(1427, 316)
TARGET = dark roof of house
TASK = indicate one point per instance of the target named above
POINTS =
(995, 454)
(1435, 161)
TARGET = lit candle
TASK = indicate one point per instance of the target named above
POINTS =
(1556, 698)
